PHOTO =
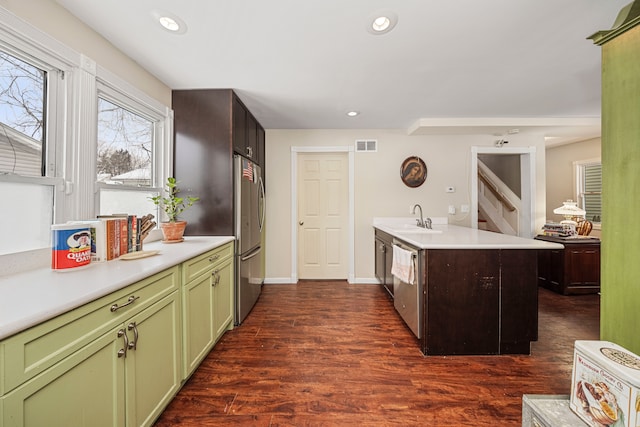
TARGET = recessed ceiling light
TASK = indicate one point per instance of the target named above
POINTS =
(381, 22)
(352, 113)
(169, 21)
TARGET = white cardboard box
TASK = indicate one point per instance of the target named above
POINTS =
(605, 385)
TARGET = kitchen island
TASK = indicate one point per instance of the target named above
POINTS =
(475, 292)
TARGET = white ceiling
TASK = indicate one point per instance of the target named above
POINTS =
(449, 65)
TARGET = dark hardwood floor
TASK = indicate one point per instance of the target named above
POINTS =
(334, 354)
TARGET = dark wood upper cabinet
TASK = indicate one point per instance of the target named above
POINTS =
(209, 126)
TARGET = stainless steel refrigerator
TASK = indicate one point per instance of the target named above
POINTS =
(249, 224)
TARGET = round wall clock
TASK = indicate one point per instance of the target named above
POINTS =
(413, 171)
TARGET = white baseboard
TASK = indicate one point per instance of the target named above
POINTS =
(290, 281)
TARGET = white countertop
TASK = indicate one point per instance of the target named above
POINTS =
(29, 298)
(446, 236)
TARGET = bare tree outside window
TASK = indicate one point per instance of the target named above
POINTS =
(125, 142)
(22, 119)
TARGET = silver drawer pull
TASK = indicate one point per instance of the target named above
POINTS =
(131, 300)
(214, 257)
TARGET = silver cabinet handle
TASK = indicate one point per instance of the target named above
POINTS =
(131, 300)
(123, 351)
(216, 277)
(214, 257)
(301, 222)
(133, 327)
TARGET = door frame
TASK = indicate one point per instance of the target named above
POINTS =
(528, 184)
(294, 205)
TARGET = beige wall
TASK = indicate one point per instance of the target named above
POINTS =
(379, 192)
(561, 183)
(54, 20)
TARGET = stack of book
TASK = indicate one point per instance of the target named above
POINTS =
(558, 230)
(117, 234)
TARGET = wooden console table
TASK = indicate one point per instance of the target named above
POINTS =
(572, 270)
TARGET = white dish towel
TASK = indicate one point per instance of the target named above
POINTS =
(403, 266)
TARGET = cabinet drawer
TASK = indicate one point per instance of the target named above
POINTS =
(205, 262)
(36, 349)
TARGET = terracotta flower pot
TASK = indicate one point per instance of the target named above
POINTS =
(173, 231)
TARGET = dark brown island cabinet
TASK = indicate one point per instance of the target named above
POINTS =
(479, 301)
(572, 270)
(210, 125)
(384, 260)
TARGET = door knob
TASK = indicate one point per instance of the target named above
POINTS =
(301, 222)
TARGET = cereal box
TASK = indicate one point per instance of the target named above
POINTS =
(605, 385)
(70, 246)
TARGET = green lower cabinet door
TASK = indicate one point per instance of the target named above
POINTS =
(223, 299)
(84, 389)
(153, 361)
(198, 321)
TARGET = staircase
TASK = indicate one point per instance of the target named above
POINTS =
(498, 206)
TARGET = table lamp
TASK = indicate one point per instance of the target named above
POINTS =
(569, 210)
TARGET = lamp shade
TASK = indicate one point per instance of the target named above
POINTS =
(569, 209)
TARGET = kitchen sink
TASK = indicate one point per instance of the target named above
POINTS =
(412, 228)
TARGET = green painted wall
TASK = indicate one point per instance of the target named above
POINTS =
(620, 302)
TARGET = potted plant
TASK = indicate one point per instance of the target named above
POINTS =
(173, 205)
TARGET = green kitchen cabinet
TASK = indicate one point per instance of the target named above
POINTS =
(207, 303)
(115, 361)
(84, 389)
(620, 293)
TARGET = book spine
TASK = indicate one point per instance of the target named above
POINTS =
(124, 236)
(111, 238)
(132, 229)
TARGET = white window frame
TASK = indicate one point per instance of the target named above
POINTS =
(119, 92)
(578, 176)
(30, 45)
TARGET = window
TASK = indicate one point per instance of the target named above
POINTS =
(131, 143)
(28, 88)
(49, 161)
(589, 188)
(22, 95)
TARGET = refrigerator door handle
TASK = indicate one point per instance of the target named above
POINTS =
(251, 254)
(262, 204)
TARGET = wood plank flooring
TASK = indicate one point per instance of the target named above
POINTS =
(334, 354)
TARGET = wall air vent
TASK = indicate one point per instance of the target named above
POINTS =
(367, 145)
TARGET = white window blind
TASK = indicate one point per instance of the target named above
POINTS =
(591, 191)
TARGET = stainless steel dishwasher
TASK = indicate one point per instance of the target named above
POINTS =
(408, 296)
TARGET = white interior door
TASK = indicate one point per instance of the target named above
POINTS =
(323, 199)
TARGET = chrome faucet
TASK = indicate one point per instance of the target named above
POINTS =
(421, 222)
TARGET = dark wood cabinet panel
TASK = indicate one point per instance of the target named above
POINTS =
(209, 125)
(572, 270)
(518, 301)
(239, 114)
(245, 132)
(203, 158)
(462, 309)
(479, 301)
(384, 260)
